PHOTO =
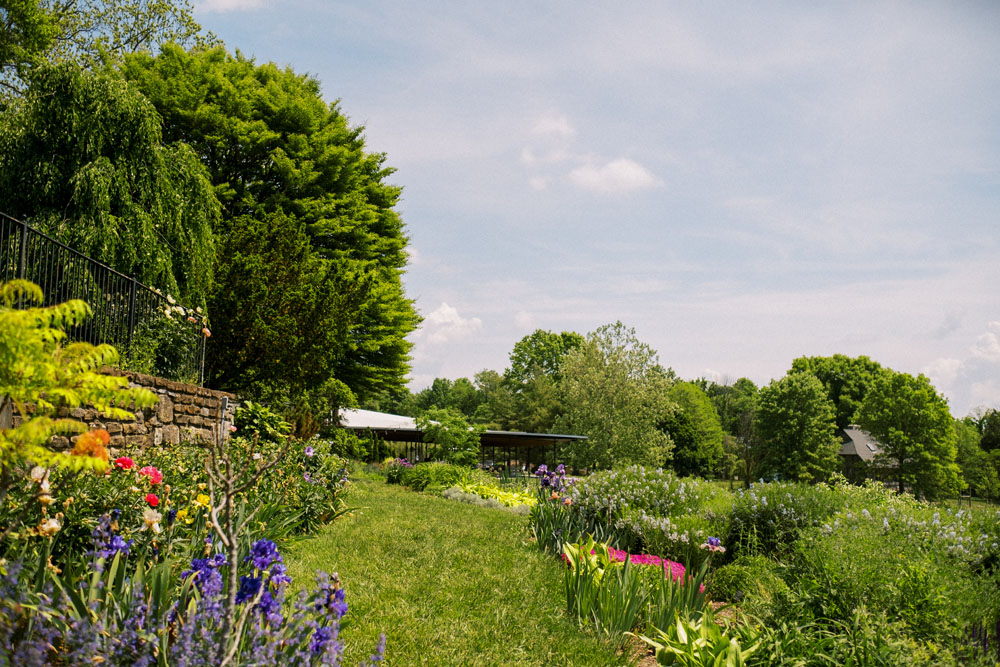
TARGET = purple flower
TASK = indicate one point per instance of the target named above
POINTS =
(320, 639)
(310, 451)
(171, 516)
(306, 477)
(541, 470)
(248, 588)
(114, 546)
(263, 553)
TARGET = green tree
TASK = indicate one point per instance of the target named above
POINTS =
(454, 440)
(911, 422)
(795, 427)
(272, 145)
(82, 159)
(499, 409)
(847, 380)
(695, 430)
(732, 402)
(28, 32)
(276, 307)
(615, 393)
(540, 353)
(976, 464)
(989, 429)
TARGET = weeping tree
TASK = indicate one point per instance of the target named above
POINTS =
(82, 159)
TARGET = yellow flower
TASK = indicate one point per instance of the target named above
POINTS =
(201, 501)
(182, 515)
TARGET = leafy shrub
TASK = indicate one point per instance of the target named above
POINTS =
(767, 519)
(751, 581)
(253, 420)
(698, 642)
(456, 493)
(439, 476)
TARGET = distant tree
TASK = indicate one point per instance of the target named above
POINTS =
(615, 393)
(453, 439)
(976, 464)
(498, 409)
(911, 422)
(540, 353)
(82, 158)
(695, 430)
(795, 427)
(732, 402)
(847, 380)
(989, 428)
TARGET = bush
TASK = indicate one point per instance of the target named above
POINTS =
(751, 581)
(436, 477)
(394, 469)
(767, 519)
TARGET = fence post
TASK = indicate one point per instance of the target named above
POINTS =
(131, 319)
(23, 260)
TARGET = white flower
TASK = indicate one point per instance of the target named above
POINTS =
(38, 474)
(152, 520)
(256, 456)
(171, 300)
(49, 527)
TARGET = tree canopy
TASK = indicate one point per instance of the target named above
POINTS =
(695, 430)
(795, 427)
(846, 380)
(915, 429)
(615, 393)
(82, 159)
(273, 146)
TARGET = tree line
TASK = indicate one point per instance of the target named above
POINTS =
(611, 387)
(132, 135)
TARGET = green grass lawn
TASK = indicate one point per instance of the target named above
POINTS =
(449, 583)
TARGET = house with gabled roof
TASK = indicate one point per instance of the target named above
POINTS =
(858, 450)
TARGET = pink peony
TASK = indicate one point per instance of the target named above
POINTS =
(152, 499)
(154, 475)
(124, 462)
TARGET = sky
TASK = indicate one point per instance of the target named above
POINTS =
(742, 183)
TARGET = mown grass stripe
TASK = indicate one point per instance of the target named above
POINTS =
(449, 583)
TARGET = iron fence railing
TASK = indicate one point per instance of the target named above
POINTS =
(126, 313)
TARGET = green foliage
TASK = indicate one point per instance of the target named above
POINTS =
(615, 393)
(255, 421)
(453, 440)
(39, 377)
(167, 344)
(82, 159)
(695, 430)
(427, 476)
(795, 429)
(540, 353)
(309, 283)
(847, 381)
(768, 519)
(28, 32)
(751, 581)
(911, 422)
(698, 642)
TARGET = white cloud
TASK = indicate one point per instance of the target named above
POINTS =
(538, 183)
(615, 177)
(556, 125)
(444, 325)
(525, 320)
(988, 345)
(221, 6)
(943, 372)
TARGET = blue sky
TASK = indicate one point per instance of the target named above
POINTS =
(743, 184)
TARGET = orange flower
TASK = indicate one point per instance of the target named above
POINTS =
(92, 443)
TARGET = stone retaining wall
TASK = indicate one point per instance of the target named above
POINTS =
(184, 413)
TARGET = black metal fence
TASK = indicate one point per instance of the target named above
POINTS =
(134, 318)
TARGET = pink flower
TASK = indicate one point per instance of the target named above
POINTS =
(124, 462)
(154, 475)
(205, 332)
(152, 499)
